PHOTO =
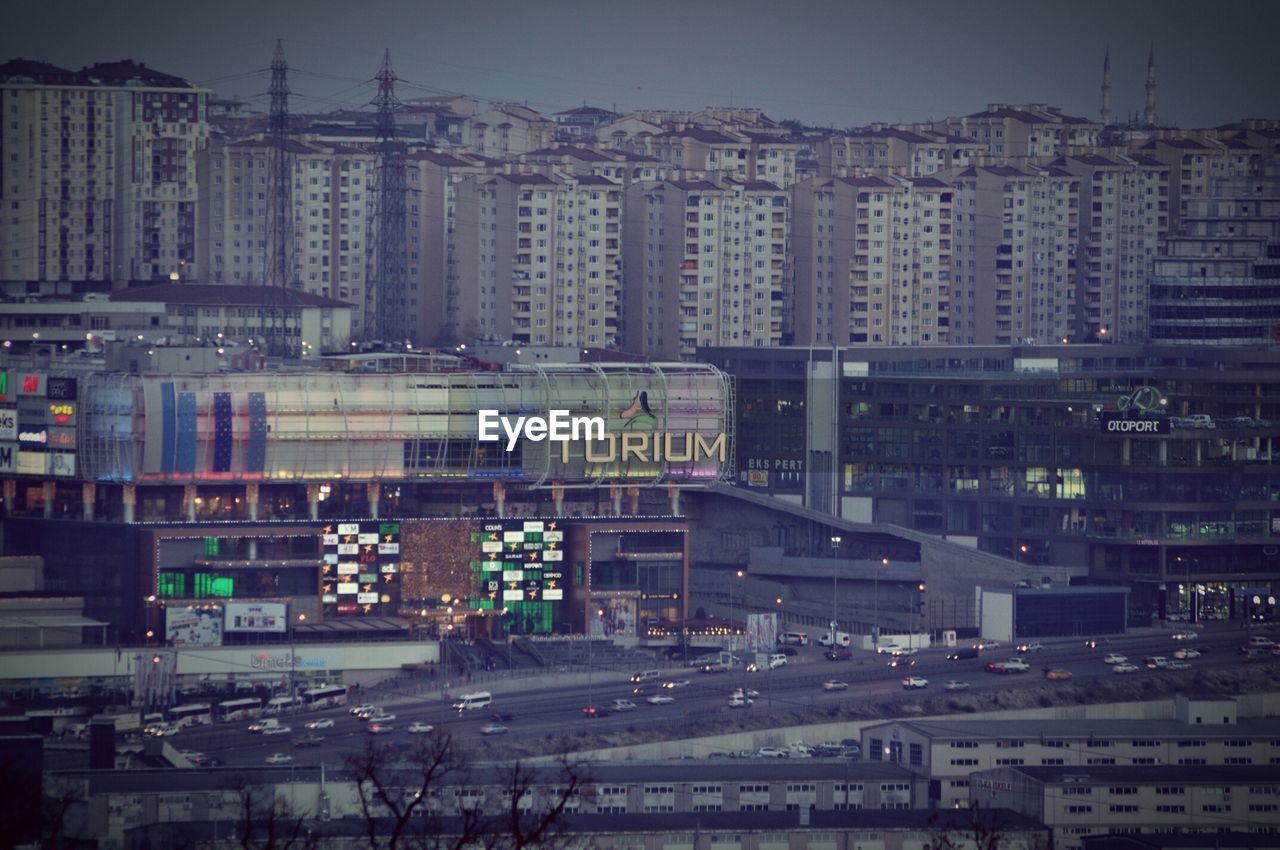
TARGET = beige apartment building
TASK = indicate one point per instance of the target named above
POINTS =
(331, 189)
(1016, 237)
(1196, 165)
(705, 265)
(99, 175)
(873, 261)
(538, 258)
(507, 129)
(1124, 203)
(903, 151)
(1026, 131)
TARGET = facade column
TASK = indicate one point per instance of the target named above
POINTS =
(129, 498)
(633, 501)
(50, 490)
(673, 494)
(313, 501)
(557, 495)
(252, 497)
(375, 498)
(252, 549)
(88, 495)
(10, 494)
(500, 498)
(189, 496)
(615, 493)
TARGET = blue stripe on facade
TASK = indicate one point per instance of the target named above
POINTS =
(222, 432)
(169, 427)
(187, 433)
(256, 458)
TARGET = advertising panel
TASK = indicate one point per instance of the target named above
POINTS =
(521, 567)
(256, 617)
(8, 424)
(361, 568)
(192, 627)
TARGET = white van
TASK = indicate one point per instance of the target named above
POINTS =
(480, 699)
(795, 639)
(777, 660)
(646, 676)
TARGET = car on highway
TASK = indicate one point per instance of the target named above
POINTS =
(379, 729)
(493, 729)
(380, 717)
(660, 699)
(279, 758)
(750, 693)
(277, 730)
(905, 651)
(838, 654)
(912, 683)
(594, 711)
(1057, 675)
(737, 701)
(1185, 654)
(1030, 647)
(956, 685)
(986, 644)
(717, 667)
(902, 661)
(1095, 643)
(962, 653)
(358, 710)
(622, 705)
(1185, 636)
(675, 683)
(165, 731)
(322, 723)
(1126, 667)
(888, 648)
(311, 739)
(771, 753)
(1115, 658)
(420, 728)
(835, 685)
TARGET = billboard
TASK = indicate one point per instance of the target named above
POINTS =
(255, 617)
(522, 569)
(193, 627)
(360, 569)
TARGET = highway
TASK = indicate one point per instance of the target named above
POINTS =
(792, 691)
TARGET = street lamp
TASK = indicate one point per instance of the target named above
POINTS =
(875, 625)
(835, 584)
(599, 615)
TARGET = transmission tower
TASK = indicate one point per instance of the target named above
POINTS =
(279, 256)
(386, 315)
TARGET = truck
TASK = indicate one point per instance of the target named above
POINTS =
(841, 639)
(1013, 665)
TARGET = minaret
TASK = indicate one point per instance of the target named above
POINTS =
(1149, 116)
(1106, 89)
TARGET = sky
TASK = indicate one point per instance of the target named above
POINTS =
(823, 62)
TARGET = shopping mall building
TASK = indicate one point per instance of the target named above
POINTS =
(1157, 467)
(327, 503)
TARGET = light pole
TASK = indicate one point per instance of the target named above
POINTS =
(875, 625)
(835, 584)
(293, 664)
(598, 615)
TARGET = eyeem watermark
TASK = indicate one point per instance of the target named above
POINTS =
(559, 427)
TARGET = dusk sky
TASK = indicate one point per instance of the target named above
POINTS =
(823, 62)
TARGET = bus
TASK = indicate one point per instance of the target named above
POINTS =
(239, 709)
(325, 696)
(281, 705)
(196, 714)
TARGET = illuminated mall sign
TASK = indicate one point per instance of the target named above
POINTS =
(638, 440)
(1128, 425)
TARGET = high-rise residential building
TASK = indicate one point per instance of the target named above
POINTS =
(1218, 282)
(331, 191)
(1124, 203)
(873, 261)
(705, 265)
(98, 179)
(1015, 242)
(507, 129)
(432, 179)
(1196, 163)
(538, 258)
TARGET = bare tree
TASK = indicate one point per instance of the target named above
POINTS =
(268, 822)
(402, 799)
(977, 828)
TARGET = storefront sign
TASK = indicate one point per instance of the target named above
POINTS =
(1128, 424)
